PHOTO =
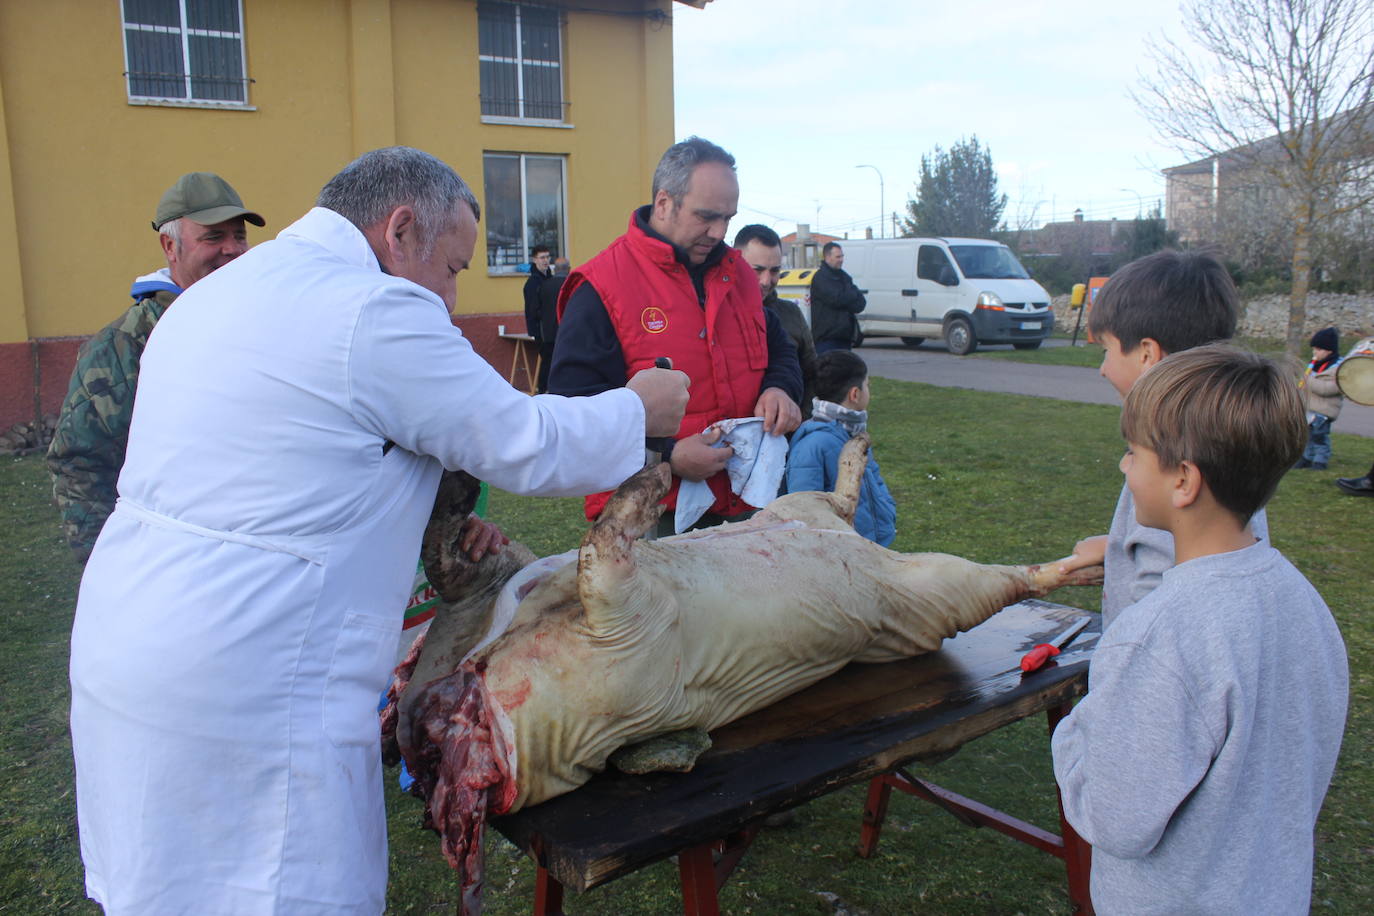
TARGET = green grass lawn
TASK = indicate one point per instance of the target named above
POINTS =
(1090, 354)
(993, 477)
(1084, 354)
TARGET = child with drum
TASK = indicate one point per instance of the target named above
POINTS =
(1322, 398)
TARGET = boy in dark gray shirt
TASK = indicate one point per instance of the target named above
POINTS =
(1160, 304)
(1198, 761)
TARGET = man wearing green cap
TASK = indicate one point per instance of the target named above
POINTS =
(200, 223)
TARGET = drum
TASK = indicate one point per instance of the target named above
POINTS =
(1355, 374)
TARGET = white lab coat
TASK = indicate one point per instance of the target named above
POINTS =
(240, 613)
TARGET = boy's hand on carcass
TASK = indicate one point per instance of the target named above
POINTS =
(1087, 552)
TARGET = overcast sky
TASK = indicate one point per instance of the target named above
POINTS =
(803, 91)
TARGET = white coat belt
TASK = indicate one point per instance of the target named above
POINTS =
(312, 550)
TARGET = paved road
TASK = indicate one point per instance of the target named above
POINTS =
(932, 364)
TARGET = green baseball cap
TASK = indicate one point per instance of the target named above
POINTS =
(205, 198)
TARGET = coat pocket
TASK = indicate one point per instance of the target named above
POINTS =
(364, 656)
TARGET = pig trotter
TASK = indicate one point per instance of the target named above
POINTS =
(448, 569)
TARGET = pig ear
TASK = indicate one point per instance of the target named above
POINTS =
(849, 478)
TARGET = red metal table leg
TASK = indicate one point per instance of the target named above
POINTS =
(875, 810)
(548, 893)
(1078, 854)
(698, 870)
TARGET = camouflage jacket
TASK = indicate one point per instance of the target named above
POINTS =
(87, 450)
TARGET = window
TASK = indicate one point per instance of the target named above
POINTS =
(524, 207)
(519, 48)
(930, 262)
(185, 51)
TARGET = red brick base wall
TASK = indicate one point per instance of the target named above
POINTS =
(34, 374)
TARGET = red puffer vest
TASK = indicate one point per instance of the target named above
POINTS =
(723, 348)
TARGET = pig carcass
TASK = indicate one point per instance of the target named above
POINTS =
(628, 639)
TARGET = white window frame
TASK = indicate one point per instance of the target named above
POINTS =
(524, 209)
(520, 64)
(185, 33)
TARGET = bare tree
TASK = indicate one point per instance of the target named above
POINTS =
(1281, 96)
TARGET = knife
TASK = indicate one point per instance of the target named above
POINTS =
(1035, 659)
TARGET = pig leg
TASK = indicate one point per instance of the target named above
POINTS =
(447, 568)
(1046, 577)
(606, 580)
(849, 478)
(815, 509)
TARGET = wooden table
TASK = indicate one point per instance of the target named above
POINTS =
(520, 360)
(863, 723)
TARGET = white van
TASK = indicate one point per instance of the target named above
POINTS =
(967, 291)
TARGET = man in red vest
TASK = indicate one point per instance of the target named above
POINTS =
(671, 287)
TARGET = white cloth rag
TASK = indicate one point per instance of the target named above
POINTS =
(755, 470)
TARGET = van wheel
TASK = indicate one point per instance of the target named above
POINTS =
(1027, 345)
(913, 341)
(959, 337)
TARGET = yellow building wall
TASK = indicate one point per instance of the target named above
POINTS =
(331, 79)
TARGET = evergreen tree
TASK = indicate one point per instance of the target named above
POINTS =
(957, 194)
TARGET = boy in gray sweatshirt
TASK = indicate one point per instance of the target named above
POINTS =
(1199, 759)
(1163, 303)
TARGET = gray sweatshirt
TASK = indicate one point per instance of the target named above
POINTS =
(1199, 759)
(1137, 556)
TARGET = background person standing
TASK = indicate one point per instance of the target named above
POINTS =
(835, 303)
(200, 225)
(762, 250)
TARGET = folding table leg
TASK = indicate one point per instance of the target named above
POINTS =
(875, 810)
(1078, 854)
(548, 893)
(698, 870)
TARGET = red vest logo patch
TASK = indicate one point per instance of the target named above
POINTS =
(654, 320)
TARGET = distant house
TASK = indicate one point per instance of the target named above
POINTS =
(1098, 238)
(1240, 183)
(555, 113)
(803, 247)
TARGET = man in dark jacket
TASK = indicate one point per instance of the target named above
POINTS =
(762, 250)
(539, 272)
(835, 301)
(547, 316)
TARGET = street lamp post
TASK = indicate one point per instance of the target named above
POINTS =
(1139, 201)
(882, 200)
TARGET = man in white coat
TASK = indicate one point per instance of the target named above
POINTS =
(240, 612)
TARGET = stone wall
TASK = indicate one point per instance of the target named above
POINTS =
(1351, 315)
(1267, 316)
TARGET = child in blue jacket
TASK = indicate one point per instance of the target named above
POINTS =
(840, 411)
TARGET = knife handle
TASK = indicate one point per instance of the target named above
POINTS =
(1035, 659)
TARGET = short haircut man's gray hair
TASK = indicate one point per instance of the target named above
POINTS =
(171, 229)
(370, 187)
(674, 172)
(829, 247)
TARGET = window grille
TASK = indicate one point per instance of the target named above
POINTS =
(185, 50)
(520, 55)
(525, 206)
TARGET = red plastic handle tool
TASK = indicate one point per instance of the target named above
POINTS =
(1035, 659)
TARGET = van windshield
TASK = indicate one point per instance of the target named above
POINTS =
(988, 262)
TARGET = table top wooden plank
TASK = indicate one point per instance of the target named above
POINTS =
(859, 722)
